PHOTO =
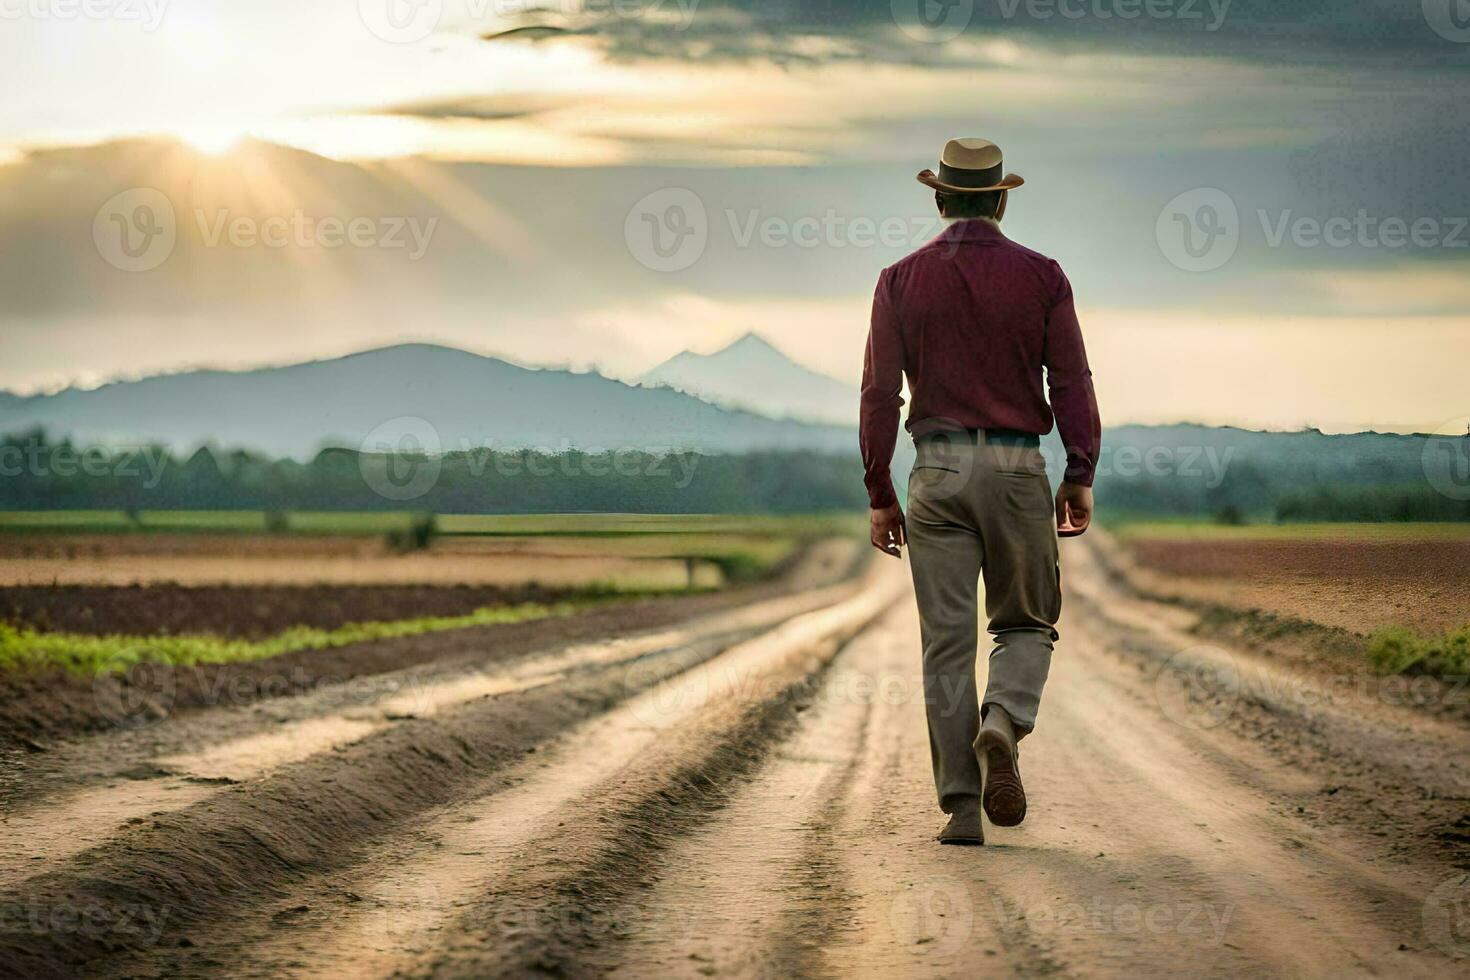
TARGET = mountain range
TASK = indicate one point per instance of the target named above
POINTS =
(445, 399)
(753, 375)
(423, 396)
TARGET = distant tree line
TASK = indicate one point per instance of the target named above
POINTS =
(37, 475)
(1251, 492)
(1257, 477)
(1372, 504)
(1234, 475)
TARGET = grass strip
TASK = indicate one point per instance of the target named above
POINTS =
(369, 523)
(1397, 650)
(1196, 530)
(27, 649)
(1390, 651)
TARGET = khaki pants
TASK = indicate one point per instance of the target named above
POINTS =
(979, 509)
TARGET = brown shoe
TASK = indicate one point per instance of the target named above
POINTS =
(1002, 795)
(964, 826)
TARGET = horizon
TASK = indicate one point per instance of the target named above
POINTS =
(634, 382)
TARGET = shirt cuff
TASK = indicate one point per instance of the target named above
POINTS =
(883, 496)
(1079, 475)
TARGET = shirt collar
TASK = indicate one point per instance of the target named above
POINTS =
(973, 230)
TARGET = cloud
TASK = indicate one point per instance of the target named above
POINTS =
(1267, 31)
(768, 111)
(486, 108)
(1401, 289)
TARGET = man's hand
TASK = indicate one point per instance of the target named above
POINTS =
(1074, 509)
(887, 530)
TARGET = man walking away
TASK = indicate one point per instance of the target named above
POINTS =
(974, 320)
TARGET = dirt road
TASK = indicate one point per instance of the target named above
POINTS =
(748, 794)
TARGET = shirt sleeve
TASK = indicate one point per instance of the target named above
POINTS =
(881, 398)
(1069, 387)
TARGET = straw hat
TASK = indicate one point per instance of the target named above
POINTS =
(968, 166)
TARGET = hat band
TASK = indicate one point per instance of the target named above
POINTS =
(956, 177)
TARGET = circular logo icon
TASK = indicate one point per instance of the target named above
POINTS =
(136, 230)
(400, 459)
(1447, 917)
(401, 21)
(932, 21)
(1198, 687)
(1446, 459)
(658, 700)
(131, 694)
(409, 911)
(936, 915)
(667, 230)
(944, 462)
(1450, 19)
(1199, 230)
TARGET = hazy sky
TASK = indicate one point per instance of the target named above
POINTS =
(1262, 205)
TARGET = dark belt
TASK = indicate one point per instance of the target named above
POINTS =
(993, 437)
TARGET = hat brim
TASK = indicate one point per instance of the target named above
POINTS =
(929, 179)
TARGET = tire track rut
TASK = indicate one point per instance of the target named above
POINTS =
(763, 808)
(250, 843)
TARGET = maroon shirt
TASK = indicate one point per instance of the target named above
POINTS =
(972, 318)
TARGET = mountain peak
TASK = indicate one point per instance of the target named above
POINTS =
(752, 374)
(750, 341)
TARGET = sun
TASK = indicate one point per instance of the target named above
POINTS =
(211, 140)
